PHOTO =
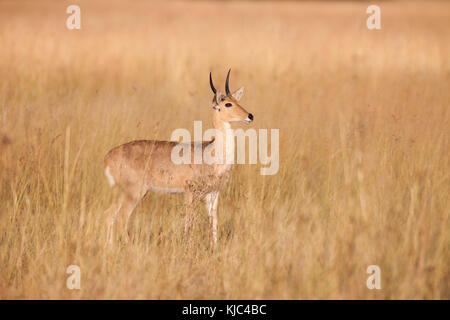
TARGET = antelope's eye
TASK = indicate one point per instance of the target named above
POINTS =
(228, 104)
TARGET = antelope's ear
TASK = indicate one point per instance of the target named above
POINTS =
(219, 97)
(238, 93)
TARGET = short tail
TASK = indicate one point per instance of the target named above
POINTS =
(109, 176)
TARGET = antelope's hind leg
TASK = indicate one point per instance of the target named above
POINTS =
(127, 207)
(111, 215)
(121, 211)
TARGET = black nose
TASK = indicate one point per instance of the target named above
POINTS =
(250, 116)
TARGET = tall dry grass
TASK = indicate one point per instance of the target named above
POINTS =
(364, 148)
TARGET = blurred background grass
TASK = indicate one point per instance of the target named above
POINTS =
(364, 139)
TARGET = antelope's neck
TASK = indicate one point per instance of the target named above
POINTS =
(227, 142)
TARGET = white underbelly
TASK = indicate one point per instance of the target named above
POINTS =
(165, 189)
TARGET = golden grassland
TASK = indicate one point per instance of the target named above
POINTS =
(364, 148)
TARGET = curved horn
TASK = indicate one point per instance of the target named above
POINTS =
(211, 84)
(227, 88)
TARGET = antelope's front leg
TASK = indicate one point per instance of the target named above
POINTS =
(212, 200)
(189, 217)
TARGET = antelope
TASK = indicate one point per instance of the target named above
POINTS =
(146, 165)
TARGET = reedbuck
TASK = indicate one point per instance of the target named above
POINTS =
(139, 166)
